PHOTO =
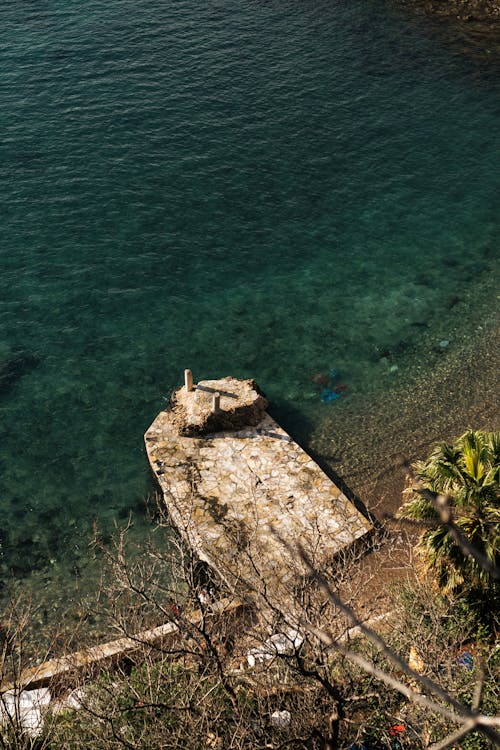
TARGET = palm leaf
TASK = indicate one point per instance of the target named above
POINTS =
(468, 472)
(419, 509)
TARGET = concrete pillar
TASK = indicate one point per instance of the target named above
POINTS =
(216, 402)
(188, 380)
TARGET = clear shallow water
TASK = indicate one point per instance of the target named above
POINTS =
(267, 190)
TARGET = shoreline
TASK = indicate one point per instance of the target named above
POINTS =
(458, 10)
(436, 394)
(366, 443)
(472, 25)
(364, 440)
(460, 392)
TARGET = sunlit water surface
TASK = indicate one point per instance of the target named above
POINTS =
(274, 190)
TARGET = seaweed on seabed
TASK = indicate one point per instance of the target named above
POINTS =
(12, 368)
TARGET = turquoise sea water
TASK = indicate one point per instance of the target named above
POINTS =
(265, 189)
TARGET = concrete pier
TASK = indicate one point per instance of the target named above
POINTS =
(237, 486)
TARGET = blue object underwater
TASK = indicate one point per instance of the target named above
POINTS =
(328, 395)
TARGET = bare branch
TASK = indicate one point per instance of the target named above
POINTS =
(384, 676)
(376, 639)
(483, 723)
(478, 689)
(456, 736)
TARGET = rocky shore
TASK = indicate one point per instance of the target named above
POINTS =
(472, 24)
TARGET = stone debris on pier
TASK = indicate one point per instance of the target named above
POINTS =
(241, 491)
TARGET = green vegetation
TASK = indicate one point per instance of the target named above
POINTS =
(457, 495)
(182, 701)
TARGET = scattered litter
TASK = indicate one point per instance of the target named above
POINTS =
(393, 368)
(73, 700)
(396, 729)
(204, 597)
(281, 719)
(444, 343)
(213, 740)
(328, 395)
(465, 659)
(320, 379)
(174, 607)
(330, 390)
(25, 709)
(415, 661)
(256, 656)
(286, 643)
(278, 643)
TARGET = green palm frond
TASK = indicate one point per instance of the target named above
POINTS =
(419, 509)
(493, 443)
(493, 476)
(441, 469)
(468, 472)
(474, 453)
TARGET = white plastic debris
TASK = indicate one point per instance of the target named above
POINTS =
(277, 644)
(73, 700)
(25, 709)
(286, 643)
(256, 656)
(281, 719)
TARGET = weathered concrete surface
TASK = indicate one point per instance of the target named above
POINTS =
(241, 404)
(237, 495)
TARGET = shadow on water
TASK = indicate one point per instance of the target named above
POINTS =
(299, 426)
(348, 492)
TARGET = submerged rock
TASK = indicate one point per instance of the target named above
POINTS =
(473, 26)
(13, 366)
